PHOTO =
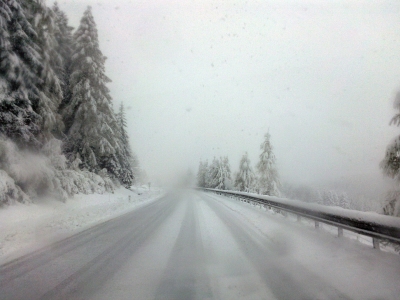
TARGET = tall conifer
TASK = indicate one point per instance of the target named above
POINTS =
(63, 36)
(19, 62)
(89, 117)
(49, 92)
(124, 154)
(268, 180)
(245, 178)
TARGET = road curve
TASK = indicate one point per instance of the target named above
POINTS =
(186, 245)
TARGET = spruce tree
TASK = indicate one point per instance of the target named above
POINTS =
(268, 180)
(223, 173)
(212, 173)
(91, 126)
(202, 174)
(245, 178)
(121, 121)
(391, 161)
(391, 165)
(227, 172)
(49, 92)
(135, 165)
(19, 62)
(63, 36)
(124, 154)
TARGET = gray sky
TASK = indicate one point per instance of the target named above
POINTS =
(209, 78)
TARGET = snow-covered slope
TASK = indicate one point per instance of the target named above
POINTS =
(26, 227)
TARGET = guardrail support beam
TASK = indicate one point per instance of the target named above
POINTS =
(375, 243)
(340, 231)
(316, 225)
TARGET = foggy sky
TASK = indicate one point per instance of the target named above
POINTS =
(210, 78)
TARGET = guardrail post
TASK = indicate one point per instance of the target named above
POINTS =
(316, 225)
(298, 218)
(375, 243)
(340, 231)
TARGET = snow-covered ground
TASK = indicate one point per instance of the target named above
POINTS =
(196, 245)
(349, 264)
(27, 227)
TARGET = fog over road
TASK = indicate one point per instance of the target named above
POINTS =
(190, 245)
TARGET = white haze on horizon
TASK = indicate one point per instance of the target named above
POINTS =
(210, 78)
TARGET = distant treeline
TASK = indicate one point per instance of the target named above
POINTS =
(265, 180)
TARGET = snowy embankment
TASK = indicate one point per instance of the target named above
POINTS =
(28, 227)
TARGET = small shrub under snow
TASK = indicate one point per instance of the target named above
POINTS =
(26, 174)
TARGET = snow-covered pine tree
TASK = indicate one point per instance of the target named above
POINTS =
(227, 173)
(391, 165)
(19, 62)
(201, 174)
(268, 179)
(245, 178)
(391, 162)
(344, 200)
(334, 198)
(121, 121)
(212, 173)
(135, 165)
(49, 95)
(219, 180)
(223, 176)
(63, 36)
(89, 118)
(124, 154)
(392, 203)
(329, 198)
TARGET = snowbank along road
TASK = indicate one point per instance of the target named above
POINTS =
(192, 245)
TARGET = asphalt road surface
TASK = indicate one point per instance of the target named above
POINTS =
(185, 245)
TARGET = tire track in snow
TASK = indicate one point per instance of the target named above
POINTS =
(284, 277)
(232, 275)
(185, 276)
(95, 255)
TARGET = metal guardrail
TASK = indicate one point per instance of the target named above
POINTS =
(378, 227)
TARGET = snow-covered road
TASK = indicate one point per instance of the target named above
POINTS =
(192, 245)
